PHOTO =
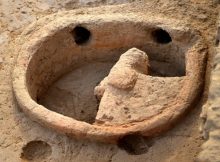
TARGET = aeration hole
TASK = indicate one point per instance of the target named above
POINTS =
(81, 35)
(161, 36)
(135, 144)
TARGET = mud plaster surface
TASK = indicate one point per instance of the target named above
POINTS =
(73, 94)
(180, 144)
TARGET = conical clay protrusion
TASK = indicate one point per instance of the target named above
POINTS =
(124, 73)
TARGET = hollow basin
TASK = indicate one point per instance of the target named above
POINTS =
(84, 48)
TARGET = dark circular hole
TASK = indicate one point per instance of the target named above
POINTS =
(161, 36)
(81, 35)
(135, 144)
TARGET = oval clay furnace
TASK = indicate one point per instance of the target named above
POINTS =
(102, 77)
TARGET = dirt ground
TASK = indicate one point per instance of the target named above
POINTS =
(24, 140)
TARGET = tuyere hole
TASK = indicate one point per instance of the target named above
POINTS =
(161, 36)
(81, 35)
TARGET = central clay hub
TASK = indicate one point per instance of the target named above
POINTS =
(129, 94)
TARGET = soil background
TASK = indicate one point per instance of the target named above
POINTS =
(24, 140)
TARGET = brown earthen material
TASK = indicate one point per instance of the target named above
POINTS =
(160, 94)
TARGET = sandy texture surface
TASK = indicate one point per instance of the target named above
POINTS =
(181, 144)
(210, 113)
